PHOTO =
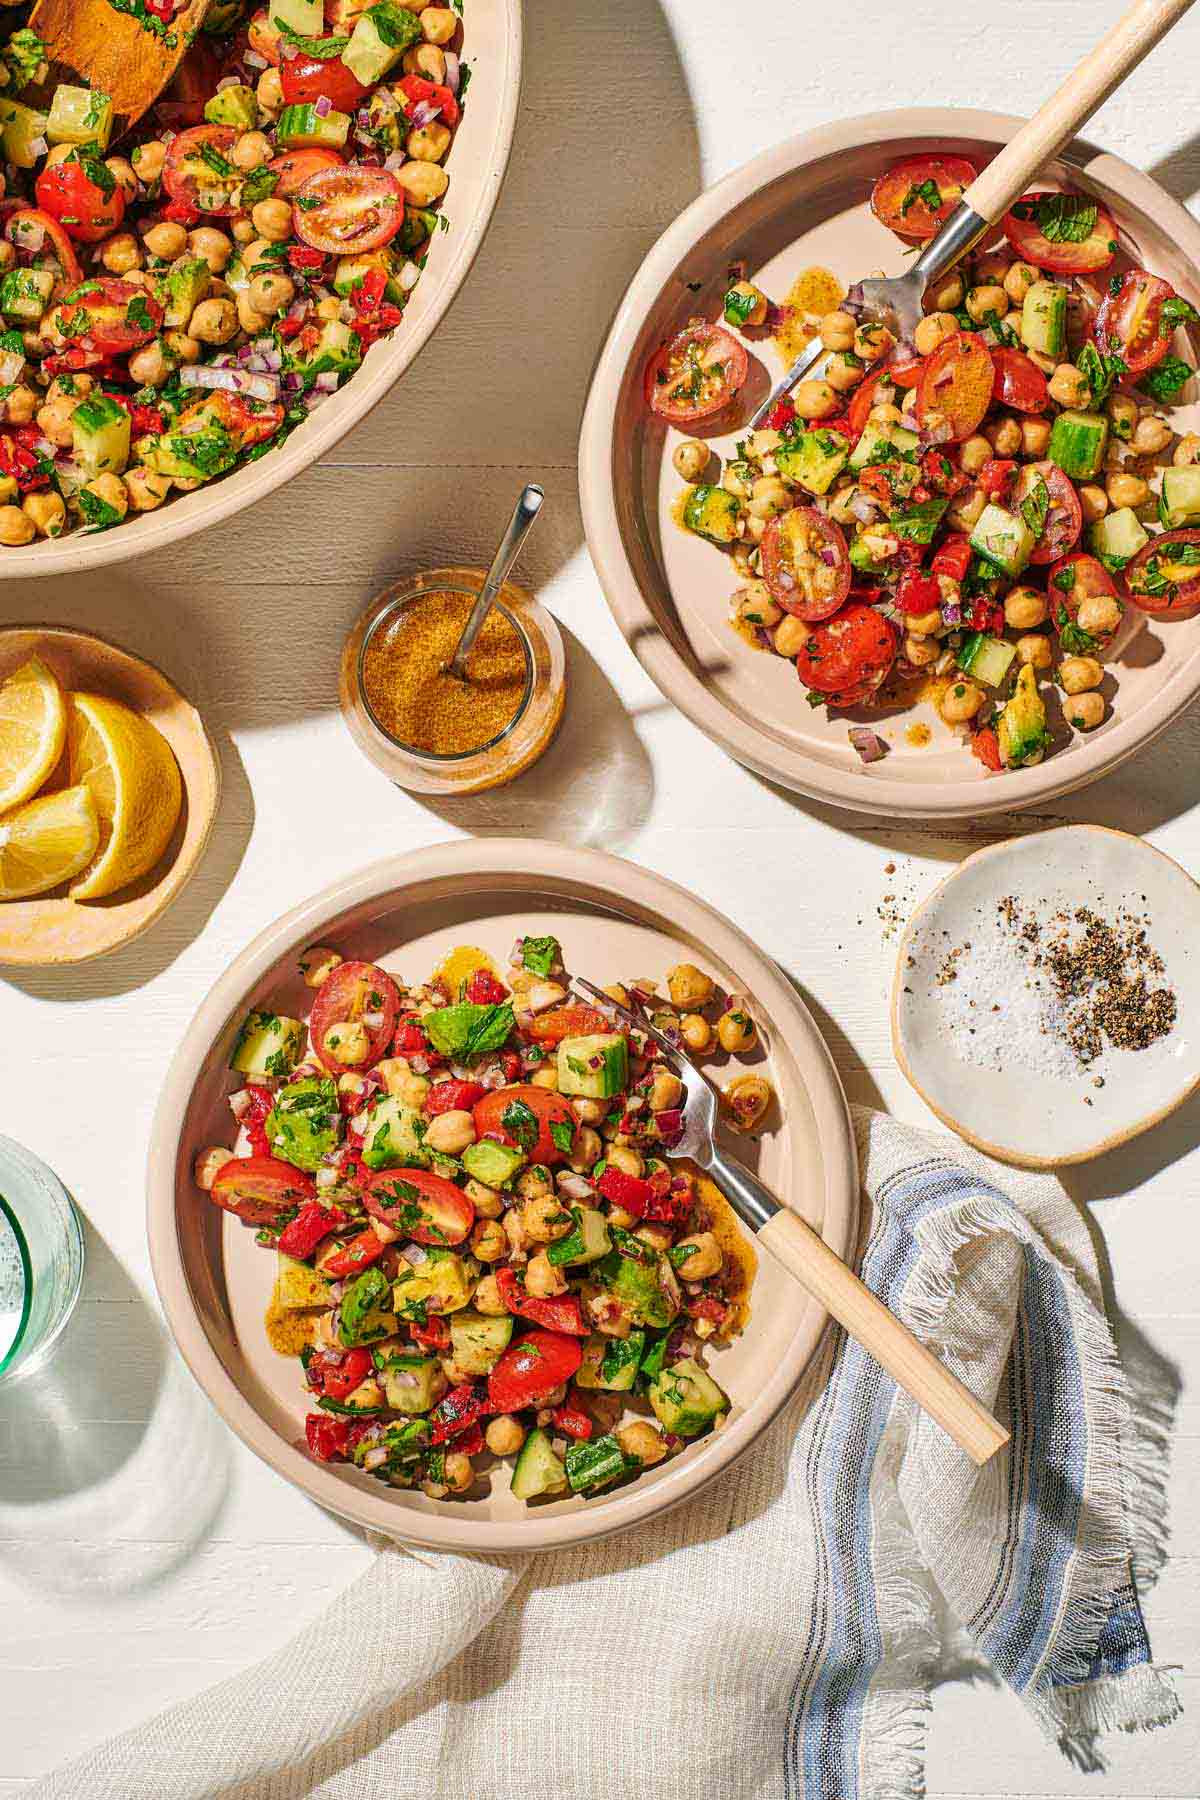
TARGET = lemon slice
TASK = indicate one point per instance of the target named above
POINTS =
(33, 726)
(457, 968)
(130, 772)
(47, 842)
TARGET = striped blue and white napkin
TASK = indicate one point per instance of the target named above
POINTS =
(776, 1639)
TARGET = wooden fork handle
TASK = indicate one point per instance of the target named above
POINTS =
(1131, 39)
(917, 1370)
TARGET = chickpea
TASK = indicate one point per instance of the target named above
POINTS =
(486, 1298)
(488, 1202)
(121, 253)
(641, 1441)
(871, 342)
(251, 151)
(691, 458)
(545, 1077)
(886, 414)
(932, 330)
(399, 1080)
(426, 60)
(208, 1166)
(666, 1091)
(212, 246)
(182, 346)
(1079, 674)
(749, 294)
(54, 422)
(736, 1030)
(1099, 614)
(815, 400)
(975, 452)
(542, 1279)
(317, 964)
(926, 623)
(626, 1159)
(488, 1241)
(964, 513)
(737, 479)
(148, 160)
(837, 331)
(146, 488)
(533, 1182)
(16, 527)
(438, 24)
(48, 513)
(122, 173)
(748, 1097)
(20, 406)
(450, 1132)
(214, 322)
(423, 182)
(689, 986)
(252, 322)
(1093, 502)
(458, 1472)
(545, 1219)
(271, 292)
(657, 1236)
(589, 1112)
(1151, 436)
(948, 294)
(696, 1032)
(428, 143)
(1035, 437)
(1018, 280)
(705, 1256)
(586, 1149)
(166, 240)
(1187, 450)
(269, 92)
(768, 497)
(1004, 435)
(754, 605)
(844, 371)
(1069, 386)
(1025, 607)
(992, 265)
(504, 1435)
(988, 298)
(1127, 490)
(960, 702)
(921, 651)
(762, 444)
(1085, 711)
(242, 231)
(1122, 415)
(789, 636)
(347, 1042)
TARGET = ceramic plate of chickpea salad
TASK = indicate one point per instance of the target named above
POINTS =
(940, 561)
(173, 305)
(419, 1214)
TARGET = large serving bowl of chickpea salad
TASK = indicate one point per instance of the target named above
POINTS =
(191, 313)
(943, 565)
(417, 1217)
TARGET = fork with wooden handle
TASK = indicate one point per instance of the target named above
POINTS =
(90, 43)
(897, 299)
(807, 1257)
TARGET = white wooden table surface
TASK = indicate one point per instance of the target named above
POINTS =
(143, 1552)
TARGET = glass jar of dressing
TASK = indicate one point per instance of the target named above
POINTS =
(426, 729)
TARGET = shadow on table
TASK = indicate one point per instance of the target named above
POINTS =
(112, 1463)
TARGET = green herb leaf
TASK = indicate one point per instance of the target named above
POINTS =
(467, 1030)
(539, 954)
(1061, 218)
(1165, 380)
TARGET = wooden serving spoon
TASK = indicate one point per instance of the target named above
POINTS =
(90, 43)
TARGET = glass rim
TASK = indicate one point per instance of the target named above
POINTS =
(444, 757)
(14, 1223)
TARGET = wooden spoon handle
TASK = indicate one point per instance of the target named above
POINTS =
(1130, 39)
(917, 1370)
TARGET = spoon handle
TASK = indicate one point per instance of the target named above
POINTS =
(524, 514)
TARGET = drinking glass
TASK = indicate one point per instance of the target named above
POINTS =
(41, 1260)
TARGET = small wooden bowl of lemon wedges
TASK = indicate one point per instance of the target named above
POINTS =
(109, 786)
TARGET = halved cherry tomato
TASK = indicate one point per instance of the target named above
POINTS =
(293, 168)
(348, 209)
(340, 1379)
(952, 556)
(696, 374)
(561, 1312)
(547, 1108)
(847, 659)
(917, 594)
(904, 197)
(1064, 521)
(419, 92)
(327, 1437)
(247, 422)
(483, 989)
(306, 79)
(864, 397)
(312, 1224)
(1074, 578)
(1019, 382)
(76, 194)
(420, 1204)
(353, 1257)
(198, 170)
(359, 991)
(1164, 576)
(258, 1188)
(985, 745)
(567, 1021)
(1128, 322)
(28, 227)
(108, 316)
(532, 1368)
(996, 476)
(1037, 213)
(571, 1419)
(452, 1096)
(956, 386)
(904, 367)
(434, 1334)
(810, 591)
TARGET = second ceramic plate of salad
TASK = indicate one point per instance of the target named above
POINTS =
(414, 1215)
(831, 678)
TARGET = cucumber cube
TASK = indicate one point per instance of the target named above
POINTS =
(1044, 318)
(268, 1044)
(378, 41)
(25, 293)
(1003, 539)
(587, 1242)
(298, 1287)
(985, 658)
(303, 18)
(593, 1067)
(477, 1342)
(79, 115)
(685, 1398)
(302, 127)
(100, 435)
(538, 1470)
(1117, 537)
(394, 1135)
(21, 127)
(1078, 441)
(876, 438)
(1179, 503)
(410, 1382)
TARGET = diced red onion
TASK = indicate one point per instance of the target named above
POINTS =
(253, 58)
(493, 1078)
(292, 383)
(336, 1289)
(38, 147)
(236, 381)
(870, 746)
(227, 81)
(419, 1065)
(326, 1178)
(863, 509)
(241, 1102)
(523, 1017)
(424, 113)
(375, 1458)
(575, 1187)
(936, 434)
(326, 383)
(763, 638)
(636, 1103)
(828, 555)
(415, 1254)
(28, 234)
(531, 1059)
(409, 276)
(323, 106)
(372, 1020)
(362, 136)
(288, 49)
(944, 378)
(453, 71)
(786, 579)
(951, 612)
(396, 160)
(854, 303)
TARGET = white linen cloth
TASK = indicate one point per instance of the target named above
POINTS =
(776, 1638)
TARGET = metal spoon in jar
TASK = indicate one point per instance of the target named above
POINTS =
(519, 526)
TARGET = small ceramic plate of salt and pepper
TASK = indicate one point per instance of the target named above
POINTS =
(1046, 1003)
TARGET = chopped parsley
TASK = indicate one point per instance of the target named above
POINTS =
(1164, 381)
(1035, 507)
(539, 954)
(926, 193)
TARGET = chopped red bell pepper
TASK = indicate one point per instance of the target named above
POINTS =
(470, 1442)
(707, 1306)
(561, 1312)
(313, 1222)
(433, 1335)
(984, 615)
(327, 1437)
(986, 746)
(253, 1120)
(484, 990)
(410, 1038)
(355, 1256)
(629, 1192)
(181, 212)
(341, 1379)
(918, 594)
(781, 414)
(303, 256)
(452, 1096)
(996, 476)
(953, 557)
(458, 1411)
(571, 1419)
(942, 473)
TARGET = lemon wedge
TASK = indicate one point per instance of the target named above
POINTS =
(128, 768)
(33, 726)
(47, 842)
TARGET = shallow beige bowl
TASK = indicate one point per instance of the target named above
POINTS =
(802, 203)
(476, 166)
(1029, 1111)
(614, 920)
(52, 930)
